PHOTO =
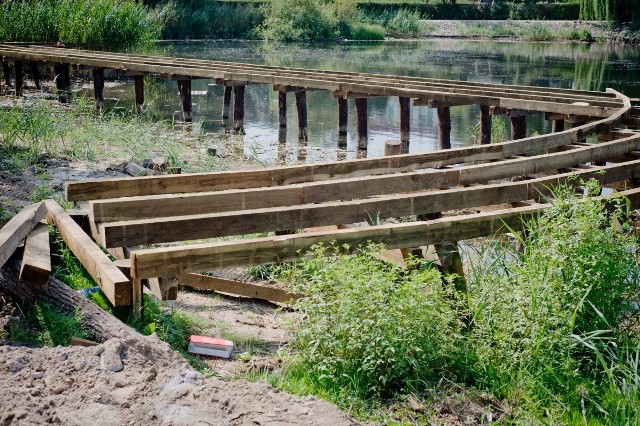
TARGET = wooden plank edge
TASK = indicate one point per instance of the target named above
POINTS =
(17, 229)
(238, 288)
(36, 260)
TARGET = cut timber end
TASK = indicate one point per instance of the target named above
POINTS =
(17, 229)
(115, 285)
(36, 262)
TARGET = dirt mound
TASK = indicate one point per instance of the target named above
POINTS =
(139, 381)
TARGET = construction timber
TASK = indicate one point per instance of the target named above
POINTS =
(176, 227)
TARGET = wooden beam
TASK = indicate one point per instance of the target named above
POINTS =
(362, 126)
(138, 84)
(444, 128)
(17, 229)
(282, 109)
(257, 251)
(518, 127)
(301, 106)
(256, 291)
(405, 120)
(433, 103)
(226, 104)
(184, 228)
(486, 123)
(6, 73)
(116, 287)
(98, 87)
(184, 88)
(238, 108)
(36, 261)
(156, 185)
(343, 116)
(19, 70)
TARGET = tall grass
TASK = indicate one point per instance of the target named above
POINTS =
(551, 330)
(111, 24)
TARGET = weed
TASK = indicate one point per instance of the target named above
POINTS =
(45, 325)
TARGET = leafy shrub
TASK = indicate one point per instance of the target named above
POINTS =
(204, 19)
(541, 320)
(114, 24)
(403, 24)
(303, 20)
(367, 32)
(369, 330)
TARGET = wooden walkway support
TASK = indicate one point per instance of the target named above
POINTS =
(238, 108)
(138, 84)
(362, 133)
(301, 106)
(226, 104)
(98, 88)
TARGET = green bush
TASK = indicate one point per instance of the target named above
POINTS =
(367, 32)
(303, 20)
(403, 24)
(209, 19)
(113, 24)
(543, 319)
(371, 330)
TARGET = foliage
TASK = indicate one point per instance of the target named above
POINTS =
(46, 326)
(304, 20)
(367, 32)
(205, 19)
(618, 11)
(368, 330)
(543, 319)
(403, 23)
(113, 24)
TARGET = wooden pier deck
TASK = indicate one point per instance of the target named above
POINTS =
(489, 186)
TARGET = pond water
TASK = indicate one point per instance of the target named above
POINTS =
(562, 65)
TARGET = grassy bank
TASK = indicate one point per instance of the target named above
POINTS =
(110, 24)
(544, 335)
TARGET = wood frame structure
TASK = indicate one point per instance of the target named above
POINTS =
(155, 210)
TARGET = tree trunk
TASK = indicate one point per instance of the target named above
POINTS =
(99, 324)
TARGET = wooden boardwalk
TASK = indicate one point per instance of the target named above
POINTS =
(163, 227)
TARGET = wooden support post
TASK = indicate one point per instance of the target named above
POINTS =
(444, 127)
(282, 109)
(451, 262)
(184, 87)
(485, 124)
(98, 88)
(405, 120)
(343, 116)
(226, 104)
(362, 128)
(35, 73)
(19, 69)
(301, 105)
(136, 297)
(62, 80)
(518, 127)
(238, 108)
(138, 83)
(392, 147)
(557, 126)
(7, 74)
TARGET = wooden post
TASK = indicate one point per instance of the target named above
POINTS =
(7, 74)
(184, 87)
(238, 108)
(19, 69)
(557, 126)
(393, 147)
(405, 120)
(35, 73)
(282, 108)
(343, 117)
(226, 104)
(485, 124)
(63, 82)
(137, 297)
(362, 128)
(301, 105)
(98, 88)
(138, 83)
(518, 127)
(444, 127)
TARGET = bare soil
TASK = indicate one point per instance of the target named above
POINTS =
(139, 382)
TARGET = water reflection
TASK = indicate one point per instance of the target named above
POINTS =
(561, 65)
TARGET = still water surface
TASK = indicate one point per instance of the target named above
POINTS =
(562, 65)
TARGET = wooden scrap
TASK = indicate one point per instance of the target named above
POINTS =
(36, 261)
(115, 285)
(17, 229)
(238, 288)
(77, 341)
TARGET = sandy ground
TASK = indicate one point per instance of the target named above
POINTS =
(139, 382)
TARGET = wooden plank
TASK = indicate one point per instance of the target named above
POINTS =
(17, 229)
(238, 288)
(36, 261)
(257, 251)
(116, 287)
(184, 228)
